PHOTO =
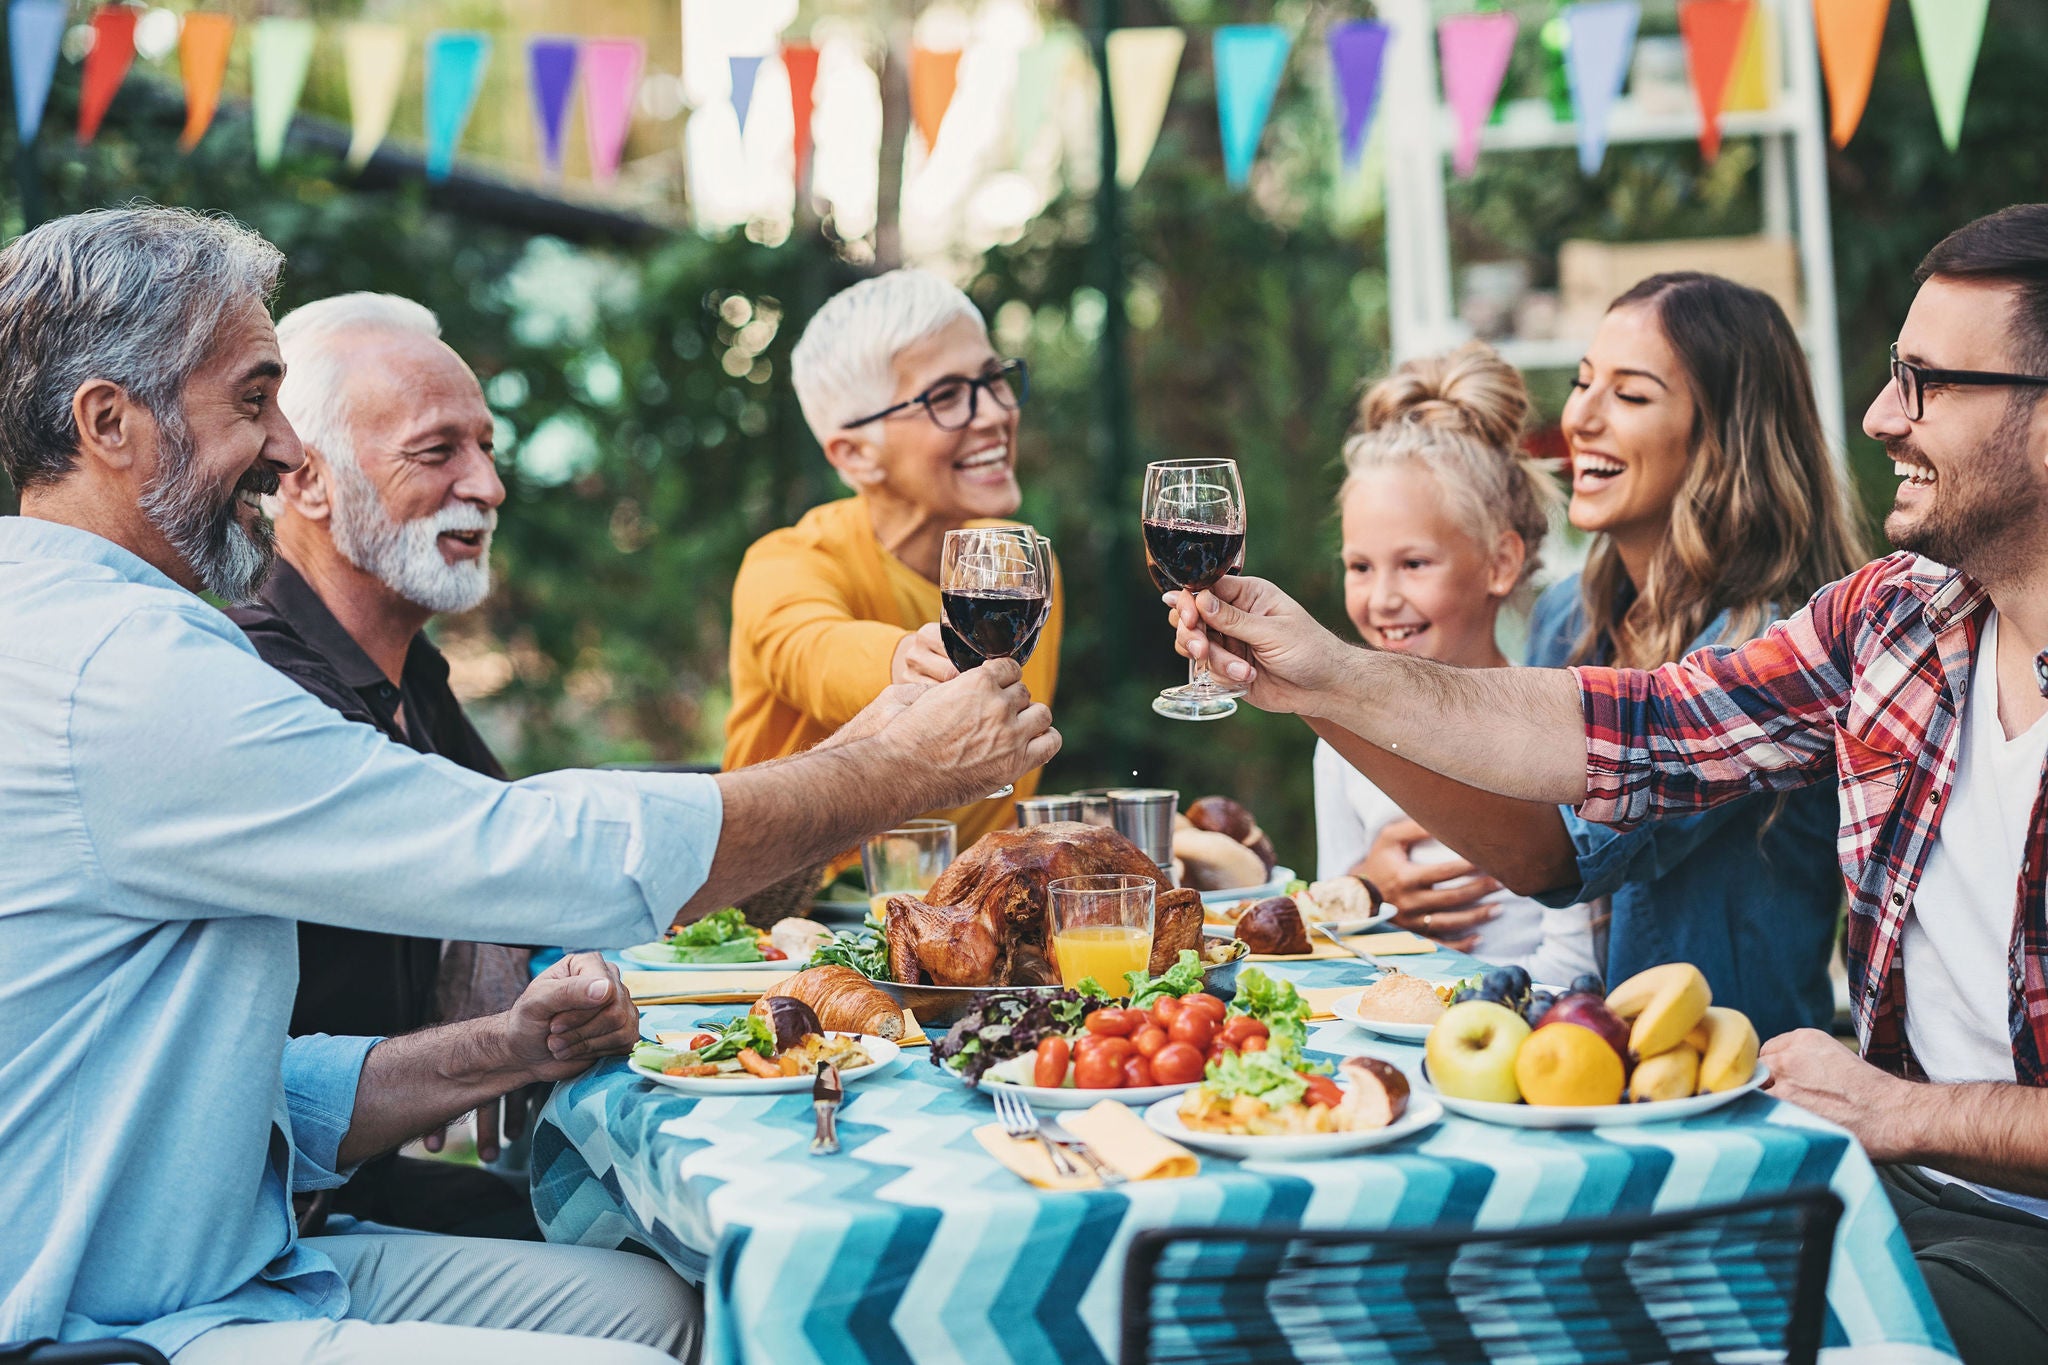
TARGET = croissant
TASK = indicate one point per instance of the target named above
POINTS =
(844, 1001)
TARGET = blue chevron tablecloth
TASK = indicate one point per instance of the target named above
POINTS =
(914, 1246)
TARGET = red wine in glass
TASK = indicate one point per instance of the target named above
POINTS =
(1194, 523)
(1191, 555)
(994, 595)
(996, 623)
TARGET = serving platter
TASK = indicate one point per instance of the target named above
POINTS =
(1555, 1116)
(1073, 1097)
(656, 955)
(881, 1053)
(1272, 886)
(943, 1006)
(1345, 1007)
(1423, 1111)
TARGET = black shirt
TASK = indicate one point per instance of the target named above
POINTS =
(352, 981)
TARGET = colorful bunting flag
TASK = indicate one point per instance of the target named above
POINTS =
(1849, 32)
(1713, 31)
(551, 75)
(1749, 88)
(1041, 68)
(106, 66)
(1473, 50)
(1141, 65)
(1602, 39)
(1250, 59)
(35, 36)
(375, 58)
(1950, 33)
(455, 74)
(280, 52)
(800, 60)
(933, 75)
(202, 63)
(611, 78)
(1358, 47)
(744, 71)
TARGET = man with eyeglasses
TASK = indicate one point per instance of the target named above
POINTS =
(1922, 680)
(918, 414)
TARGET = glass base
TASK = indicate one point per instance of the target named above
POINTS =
(1194, 703)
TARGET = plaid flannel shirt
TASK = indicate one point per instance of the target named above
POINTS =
(1869, 679)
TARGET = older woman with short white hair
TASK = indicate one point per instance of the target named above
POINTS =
(918, 414)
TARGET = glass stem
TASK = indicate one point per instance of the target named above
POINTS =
(1198, 674)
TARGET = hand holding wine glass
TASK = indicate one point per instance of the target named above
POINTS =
(995, 595)
(1194, 534)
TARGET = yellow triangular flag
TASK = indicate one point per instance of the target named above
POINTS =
(1749, 85)
(376, 70)
(1142, 65)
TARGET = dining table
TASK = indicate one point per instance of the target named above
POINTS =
(914, 1246)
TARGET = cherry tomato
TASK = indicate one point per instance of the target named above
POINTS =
(771, 953)
(1216, 1050)
(1323, 1090)
(1239, 1027)
(1255, 1043)
(1208, 1004)
(702, 1040)
(1193, 1028)
(1149, 1040)
(1166, 1010)
(1049, 1066)
(1177, 1064)
(1138, 1074)
(1115, 1023)
(1098, 1070)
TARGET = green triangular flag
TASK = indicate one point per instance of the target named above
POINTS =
(1040, 70)
(280, 52)
(1950, 32)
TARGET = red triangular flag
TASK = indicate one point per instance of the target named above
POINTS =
(800, 60)
(1713, 32)
(106, 66)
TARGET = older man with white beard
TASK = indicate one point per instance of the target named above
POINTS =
(387, 524)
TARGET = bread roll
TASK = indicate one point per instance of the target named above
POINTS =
(1216, 862)
(844, 1001)
(1274, 926)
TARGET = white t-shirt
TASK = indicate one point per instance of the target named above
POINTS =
(1554, 945)
(1958, 936)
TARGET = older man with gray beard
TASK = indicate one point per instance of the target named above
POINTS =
(387, 524)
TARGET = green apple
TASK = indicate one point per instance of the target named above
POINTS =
(1471, 1052)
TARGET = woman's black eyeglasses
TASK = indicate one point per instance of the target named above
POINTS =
(1912, 381)
(951, 403)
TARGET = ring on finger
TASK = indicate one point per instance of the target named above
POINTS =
(1426, 917)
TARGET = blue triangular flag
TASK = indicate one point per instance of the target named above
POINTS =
(744, 70)
(1356, 50)
(1602, 39)
(1249, 60)
(35, 32)
(455, 73)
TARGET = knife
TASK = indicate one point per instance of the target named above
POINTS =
(1064, 1136)
(1353, 949)
(826, 1092)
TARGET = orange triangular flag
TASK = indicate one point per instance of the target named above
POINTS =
(1713, 40)
(203, 61)
(932, 77)
(1849, 32)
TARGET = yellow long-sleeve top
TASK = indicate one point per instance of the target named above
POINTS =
(818, 610)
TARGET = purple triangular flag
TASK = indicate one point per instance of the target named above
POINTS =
(744, 70)
(1356, 50)
(551, 68)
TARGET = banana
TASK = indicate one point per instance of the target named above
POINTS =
(1664, 1004)
(1672, 1075)
(1727, 1044)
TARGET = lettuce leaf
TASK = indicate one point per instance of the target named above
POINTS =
(1276, 1004)
(1184, 977)
(1262, 1075)
(726, 926)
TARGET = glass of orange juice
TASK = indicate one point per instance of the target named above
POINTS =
(905, 860)
(1102, 927)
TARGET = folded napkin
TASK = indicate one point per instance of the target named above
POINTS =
(1320, 949)
(913, 1032)
(1117, 1134)
(737, 986)
(1393, 943)
(1322, 1000)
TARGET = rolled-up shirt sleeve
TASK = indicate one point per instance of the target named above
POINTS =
(209, 784)
(320, 1076)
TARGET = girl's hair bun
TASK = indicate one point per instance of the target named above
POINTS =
(1470, 389)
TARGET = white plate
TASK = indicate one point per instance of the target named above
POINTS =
(1423, 1110)
(1596, 1115)
(1358, 926)
(880, 1051)
(1073, 1097)
(656, 955)
(1346, 1008)
(1276, 886)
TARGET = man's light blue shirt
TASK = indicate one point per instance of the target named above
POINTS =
(169, 806)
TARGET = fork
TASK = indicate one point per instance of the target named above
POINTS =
(1015, 1114)
(1059, 1132)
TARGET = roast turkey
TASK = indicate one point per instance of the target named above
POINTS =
(987, 920)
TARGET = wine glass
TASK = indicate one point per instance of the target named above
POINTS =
(962, 654)
(1194, 535)
(993, 593)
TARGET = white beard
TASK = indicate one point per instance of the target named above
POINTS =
(406, 556)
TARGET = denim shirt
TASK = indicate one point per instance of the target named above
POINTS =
(1754, 908)
(169, 807)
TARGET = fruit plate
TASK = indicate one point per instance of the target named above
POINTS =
(880, 1051)
(1073, 1097)
(1597, 1115)
(653, 955)
(1346, 1008)
(1273, 886)
(1423, 1110)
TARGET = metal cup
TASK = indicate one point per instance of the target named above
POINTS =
(1095, 806)
(1045, 810)
(1144, 815)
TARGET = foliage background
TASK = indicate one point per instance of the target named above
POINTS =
(650, 434)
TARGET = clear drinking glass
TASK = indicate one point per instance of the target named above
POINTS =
(903, 860)
(1102, 927)
(994, 593)
(1194, 535)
